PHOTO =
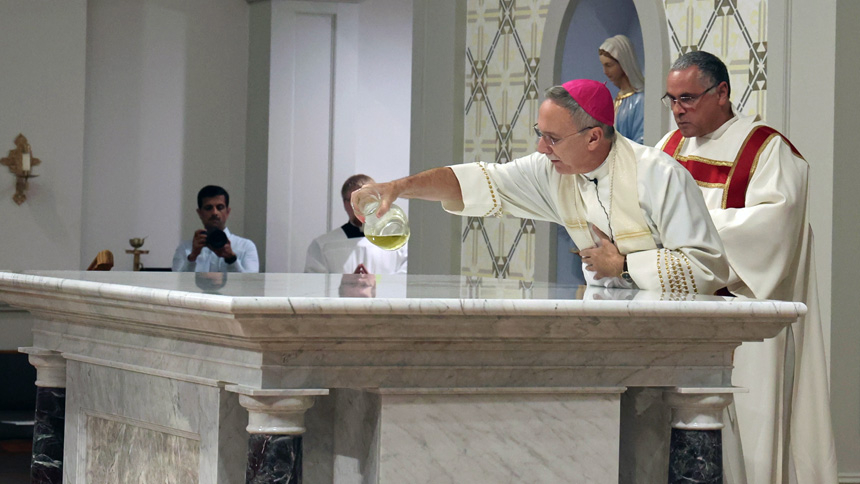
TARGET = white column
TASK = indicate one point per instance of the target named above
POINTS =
(275, 412)
(276, 422)
(50, 367)
(699, 408)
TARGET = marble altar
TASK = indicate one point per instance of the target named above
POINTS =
(182, 377)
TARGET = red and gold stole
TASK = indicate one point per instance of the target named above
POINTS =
(732, 177)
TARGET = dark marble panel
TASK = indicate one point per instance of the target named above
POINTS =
(274, 459)
(696, 456)
(47, 464)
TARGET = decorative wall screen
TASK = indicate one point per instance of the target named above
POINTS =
(733, 30)
(503, 41)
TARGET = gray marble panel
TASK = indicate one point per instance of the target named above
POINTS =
(499, 438)
(119, 452)
(475, 438)
(204, 413)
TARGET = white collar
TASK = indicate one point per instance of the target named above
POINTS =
(724, 127)
(602, 171)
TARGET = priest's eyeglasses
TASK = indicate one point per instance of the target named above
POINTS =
(685, 100)
(552, 141)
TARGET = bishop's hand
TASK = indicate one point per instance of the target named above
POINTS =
(373, 198)
(603, 260)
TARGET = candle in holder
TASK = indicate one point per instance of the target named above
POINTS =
(25, 162)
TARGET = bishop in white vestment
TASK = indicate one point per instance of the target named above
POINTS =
(636, 216)
(685, 256)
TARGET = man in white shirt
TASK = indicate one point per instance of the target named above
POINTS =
(599, 186)
(754, 183)
(345, 250)
(214, 248)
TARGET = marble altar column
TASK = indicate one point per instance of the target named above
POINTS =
(696, 449)
(276, 422)
(46, 466)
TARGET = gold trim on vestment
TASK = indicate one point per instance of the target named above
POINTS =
(632, 235)
(496, 209)
(679, 147)
(673, 263)
(757, 155)
(710, 185)
(725, 198)
(706, 161)
(737, 158)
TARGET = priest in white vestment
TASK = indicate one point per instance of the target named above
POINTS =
(636, 215)
(755, 185)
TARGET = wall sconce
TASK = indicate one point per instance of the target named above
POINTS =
(21, 162)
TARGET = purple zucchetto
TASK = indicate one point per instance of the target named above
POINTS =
(594, 98)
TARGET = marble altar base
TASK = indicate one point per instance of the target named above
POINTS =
(127, 426)
(480, 436)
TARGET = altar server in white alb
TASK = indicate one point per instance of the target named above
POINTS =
(345, 250)
(755, 185)
(636, 215)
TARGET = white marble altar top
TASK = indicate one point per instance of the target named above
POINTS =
(304, 331)
(376, 294)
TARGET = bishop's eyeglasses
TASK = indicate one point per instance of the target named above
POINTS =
(552, 141)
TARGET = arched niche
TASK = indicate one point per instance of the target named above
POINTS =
(655, 41)
(589, 26)
(656, 59)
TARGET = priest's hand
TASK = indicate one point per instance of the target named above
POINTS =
(603, 260)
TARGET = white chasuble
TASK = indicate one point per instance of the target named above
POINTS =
(660, 202)
(768, 241)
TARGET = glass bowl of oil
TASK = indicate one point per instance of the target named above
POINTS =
(391, 231)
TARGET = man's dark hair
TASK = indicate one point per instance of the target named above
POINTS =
(210, 191)
(712, 71)
(581, 119)
(354, 183)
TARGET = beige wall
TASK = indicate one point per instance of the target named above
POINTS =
(437, 127)
(845, 366)
(42, 54)
(257, 129)
(166, 104)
